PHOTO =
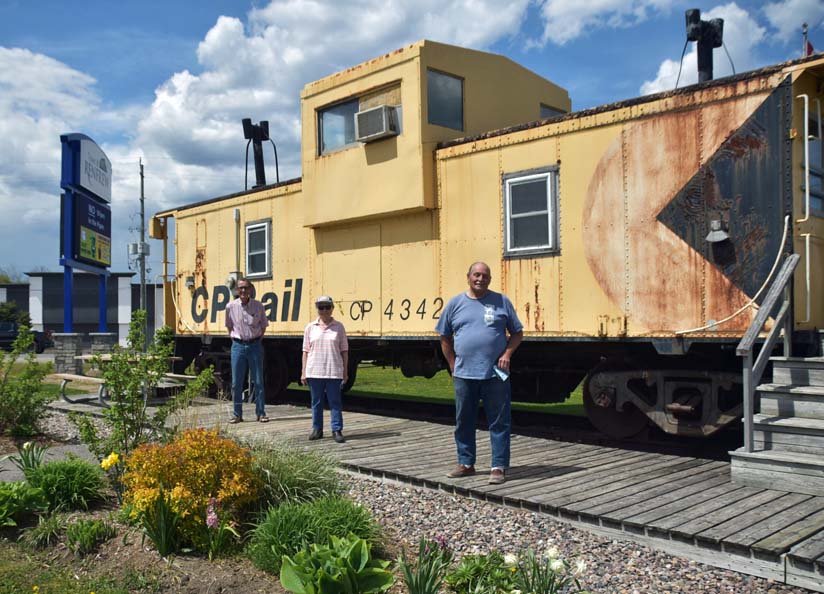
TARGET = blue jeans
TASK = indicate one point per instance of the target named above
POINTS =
(497, 400)
(331, 388)
(247, 357)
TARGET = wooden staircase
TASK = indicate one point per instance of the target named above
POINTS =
(788, 444)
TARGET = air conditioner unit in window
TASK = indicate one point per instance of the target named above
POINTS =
(376, 123)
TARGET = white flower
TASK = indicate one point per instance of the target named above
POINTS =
(552, 553)
(515, 592)
(27, 445)
(556, 565)
(511, 559)
(580, 566)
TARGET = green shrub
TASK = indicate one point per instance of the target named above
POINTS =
(345, 567)
(70, 484)
(22, 402)
(84, 536)
(487, 574)
(197, 466)
(290, 474)
(47, 533)
(18, 501)
(128, 374)
(290, 527)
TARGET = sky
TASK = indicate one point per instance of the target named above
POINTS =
(169, 82)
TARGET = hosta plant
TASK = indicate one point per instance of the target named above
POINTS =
(342, 567)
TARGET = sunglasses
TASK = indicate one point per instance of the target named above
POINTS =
(324, 307)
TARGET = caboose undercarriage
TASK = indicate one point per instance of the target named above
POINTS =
(627, 386)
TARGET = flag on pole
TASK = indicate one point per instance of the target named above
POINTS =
(809, 50)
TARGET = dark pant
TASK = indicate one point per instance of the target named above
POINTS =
(332, 389)
(248, 356)
(495, 395)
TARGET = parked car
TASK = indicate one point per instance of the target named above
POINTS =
(9, 331)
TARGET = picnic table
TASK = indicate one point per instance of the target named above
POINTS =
(102, 391)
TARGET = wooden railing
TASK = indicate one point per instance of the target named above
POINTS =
(754, 371)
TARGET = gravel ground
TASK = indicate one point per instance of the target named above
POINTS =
(613, 566)
(473, 526)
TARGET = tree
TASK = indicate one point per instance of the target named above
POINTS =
(9, 275)
(10, 313)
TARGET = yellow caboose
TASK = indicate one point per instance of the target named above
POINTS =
(635, 239)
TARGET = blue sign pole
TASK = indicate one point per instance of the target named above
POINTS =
(68, 278)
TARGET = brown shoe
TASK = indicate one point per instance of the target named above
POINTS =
(263, 419)
(497, 476)
(461, 470)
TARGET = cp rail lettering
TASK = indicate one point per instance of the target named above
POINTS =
(221, 295)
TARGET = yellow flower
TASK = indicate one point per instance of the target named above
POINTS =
(110, 461)
(35, 588)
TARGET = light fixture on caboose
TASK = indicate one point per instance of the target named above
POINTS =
(256, 134)
(709, 35)
(718, 232)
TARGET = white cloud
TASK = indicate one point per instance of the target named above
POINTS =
(788, 15)
(564, 20)
(742, 34)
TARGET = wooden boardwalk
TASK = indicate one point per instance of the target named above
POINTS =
(686, 506)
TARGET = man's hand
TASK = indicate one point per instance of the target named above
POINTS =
(503, 361)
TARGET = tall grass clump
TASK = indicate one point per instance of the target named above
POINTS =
(69, 484)
(84, 536)
(290, 474)
(291, 527)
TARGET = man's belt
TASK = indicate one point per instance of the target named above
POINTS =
(253, 341)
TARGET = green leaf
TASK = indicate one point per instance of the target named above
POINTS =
(374, 579)
(331, 585)
(358, 555)
(291, 578)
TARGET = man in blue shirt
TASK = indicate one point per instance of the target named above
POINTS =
(473, 330)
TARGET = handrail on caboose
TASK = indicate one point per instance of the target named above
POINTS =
(753, 372)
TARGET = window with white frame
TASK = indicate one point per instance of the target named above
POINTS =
(531, 212)
(259, 249)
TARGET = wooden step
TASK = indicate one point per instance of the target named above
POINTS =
(789, 471)
(791, 400)
(789, 434)
(798, 371)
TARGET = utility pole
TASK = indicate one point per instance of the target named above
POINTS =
(142, 255)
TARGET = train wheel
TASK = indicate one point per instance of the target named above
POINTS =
(601, 404)
(353, 373)
(277, 376)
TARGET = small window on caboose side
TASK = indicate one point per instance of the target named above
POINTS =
(259, 249)
(531, 212)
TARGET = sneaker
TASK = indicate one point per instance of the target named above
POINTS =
(462, 470)
(263, 419)
(316, 434)
(235, 420)
(338, 437)
(497, 476)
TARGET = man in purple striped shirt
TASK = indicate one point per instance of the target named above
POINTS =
(246, 321)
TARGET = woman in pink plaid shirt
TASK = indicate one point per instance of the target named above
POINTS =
(325, 367)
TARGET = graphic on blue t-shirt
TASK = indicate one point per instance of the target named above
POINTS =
(479, 328)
